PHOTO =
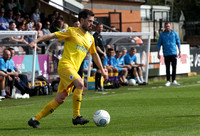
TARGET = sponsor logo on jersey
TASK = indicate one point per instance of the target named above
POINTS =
(81, 48)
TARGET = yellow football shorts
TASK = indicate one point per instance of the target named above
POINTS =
(67, 76)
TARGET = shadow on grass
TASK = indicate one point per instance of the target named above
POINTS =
(188, 116)
(184, 116)
(48, 128)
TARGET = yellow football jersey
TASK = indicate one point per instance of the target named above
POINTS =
(76, 46)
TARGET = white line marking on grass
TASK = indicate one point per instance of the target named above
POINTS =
(102, 92)
(198, 82)
(134, 88)
(182, 86)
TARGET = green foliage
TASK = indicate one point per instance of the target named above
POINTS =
(152, 110)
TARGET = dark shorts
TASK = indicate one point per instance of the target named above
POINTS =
(130, 72)
(121, 73)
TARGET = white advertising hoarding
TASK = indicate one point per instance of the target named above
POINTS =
(183, 63)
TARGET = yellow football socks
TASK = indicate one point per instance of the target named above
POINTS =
(115, 74)
(77, 97)
(110, 74)
(49, 108)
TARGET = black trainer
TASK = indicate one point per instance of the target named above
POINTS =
(33, 123)
(79, 120)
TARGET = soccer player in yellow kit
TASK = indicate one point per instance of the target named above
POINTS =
(78, 41)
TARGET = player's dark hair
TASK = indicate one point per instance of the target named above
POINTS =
(11, 49)
(20, 24)
(118, 51)
(11, 22)
(75, 20)
(84, 14)
(99, 24)
(110, 49)
(132, 49)
(166, 23)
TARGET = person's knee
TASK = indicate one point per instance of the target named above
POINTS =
(1, 78)
(115, 70)
(80, 85)
(109, 70)
(125, 70)
(61, 97)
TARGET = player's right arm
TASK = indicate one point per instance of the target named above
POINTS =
(159, 44)
(47, 37)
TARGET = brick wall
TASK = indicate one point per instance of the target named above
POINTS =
(130, 12)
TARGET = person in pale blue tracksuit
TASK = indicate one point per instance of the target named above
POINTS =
(169, 39)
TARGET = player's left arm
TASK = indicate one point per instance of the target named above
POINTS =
(179, 49)
(178, 44)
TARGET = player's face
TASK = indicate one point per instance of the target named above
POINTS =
(119, 54)
(111, 53)
(88, 23)
(12, 26)
(7, 55)
(12, 53)
(99, 28)
(132, 52)
(76, 24)
(124, 51)
(168, 27)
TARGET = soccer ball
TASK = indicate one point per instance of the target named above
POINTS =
(101, 118)
(131, 82)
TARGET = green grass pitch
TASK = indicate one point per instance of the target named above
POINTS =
(151, 110)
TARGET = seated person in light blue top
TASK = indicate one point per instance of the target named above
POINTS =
(3, 22)
(8, 71)
(123, 69)
(131, 59)
(110, 65)
(20, 82)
